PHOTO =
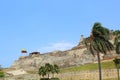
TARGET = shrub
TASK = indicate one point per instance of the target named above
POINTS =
(2, 74)
(54, 79)
(49, 79)
(44, 79)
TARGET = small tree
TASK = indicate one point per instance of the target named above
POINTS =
(117, 43)
(117, 64)
(116, 32)
(55, 69)
(48, 68)
(1, 72)
(0, 68)
(117, 48)
(42, 71)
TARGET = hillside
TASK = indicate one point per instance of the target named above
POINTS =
(84, 72)
(70, 61)
(78, 55)
(61, 58)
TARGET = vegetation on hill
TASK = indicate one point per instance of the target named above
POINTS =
(1, 72)
(47, 70)
(100, 43)
(91, 66)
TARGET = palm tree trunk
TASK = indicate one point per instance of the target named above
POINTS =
(99, 67)
(39, 77)
(48, 75)
(118, 73)
(53, 75)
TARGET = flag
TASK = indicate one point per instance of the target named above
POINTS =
(23, 51)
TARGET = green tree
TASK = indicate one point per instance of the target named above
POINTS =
(55, 69)
(117, 64)
(2, 74)
(117, 49)
(117, 43)
(99, 43)
(99, 30)
(116, 32)
(42, 71)
(48, 68)
(0, 68)
(117, 39)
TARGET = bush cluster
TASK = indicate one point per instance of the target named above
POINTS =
(2, 74)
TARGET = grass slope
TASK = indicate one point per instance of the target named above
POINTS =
(92, 66)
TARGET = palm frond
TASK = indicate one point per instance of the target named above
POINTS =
(117, 39)
(100, 44)
(118, 48)
(92, 50)
(99, 30)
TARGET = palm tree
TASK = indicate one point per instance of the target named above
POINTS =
(48, 68)
(117, 44)
(99, 43)
(117, 49)
(116, 32)
(42, 71)
(117, 64)
(117, 39)
(55, 69)
(99, 30)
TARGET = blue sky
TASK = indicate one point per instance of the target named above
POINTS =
(48, 25)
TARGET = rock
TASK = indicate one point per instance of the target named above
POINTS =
(16, 72)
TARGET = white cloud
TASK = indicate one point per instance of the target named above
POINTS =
(57, 46)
